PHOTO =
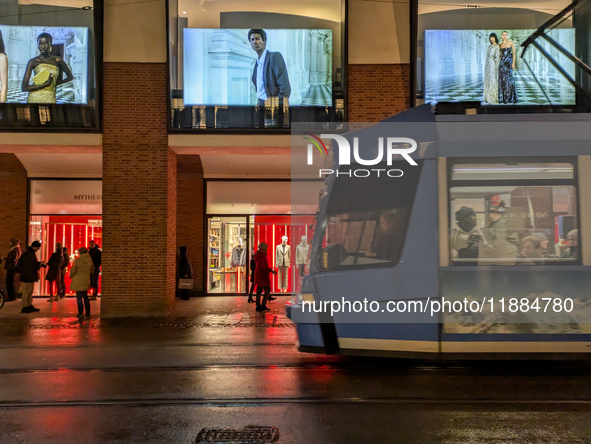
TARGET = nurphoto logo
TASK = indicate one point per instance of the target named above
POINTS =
(395, 146)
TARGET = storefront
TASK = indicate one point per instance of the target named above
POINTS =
(68, 212)
(241, 215)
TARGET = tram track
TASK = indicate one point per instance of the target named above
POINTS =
(484, 404)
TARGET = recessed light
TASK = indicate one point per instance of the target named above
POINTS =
(184, 12)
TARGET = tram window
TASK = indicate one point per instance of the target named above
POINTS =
(364, 239)
(513, 225)
(518, 171)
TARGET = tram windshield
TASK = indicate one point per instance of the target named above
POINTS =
(367, 219)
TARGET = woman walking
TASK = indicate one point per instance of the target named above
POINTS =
(54, 265)
(261, 276)
(80, 273)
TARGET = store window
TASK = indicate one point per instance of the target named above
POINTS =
(65, 212)
(252, 212)
(247, 65)
(473, 56)
(513, 214)
(49, 74)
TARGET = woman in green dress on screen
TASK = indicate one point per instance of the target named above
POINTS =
(48, 72)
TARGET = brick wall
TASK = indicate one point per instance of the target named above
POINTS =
(139, 193)
(189, 229)
(13, 205)
(377, 91)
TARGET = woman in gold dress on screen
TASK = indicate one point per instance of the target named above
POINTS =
(48, 73)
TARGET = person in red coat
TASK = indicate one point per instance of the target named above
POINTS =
(261, 276)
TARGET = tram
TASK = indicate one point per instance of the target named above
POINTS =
(493, 211)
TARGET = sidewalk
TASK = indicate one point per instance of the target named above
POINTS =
(200, 320)
(217, 309)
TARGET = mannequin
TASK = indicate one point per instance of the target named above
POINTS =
(283, 261)
(302, 255)
(238, 257)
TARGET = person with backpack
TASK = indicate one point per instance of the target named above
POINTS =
(28, 268)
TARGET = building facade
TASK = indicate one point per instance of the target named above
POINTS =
(160, 140)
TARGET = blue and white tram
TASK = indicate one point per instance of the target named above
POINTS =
(493, 210)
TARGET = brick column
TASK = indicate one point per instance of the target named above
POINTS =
(189, 214)
(13, 204)
(139, 193)
(378, 91)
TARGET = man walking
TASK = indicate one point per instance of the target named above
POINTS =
(96, 255)
(28, 267)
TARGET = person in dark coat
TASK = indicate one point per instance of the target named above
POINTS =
(54, 273)
(10, 266)
(185, 271)
(253, 266)
(64, 270)
(28, 268)
(96, 254)
(261, 276)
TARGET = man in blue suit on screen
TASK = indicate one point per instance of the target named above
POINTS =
(270, 73)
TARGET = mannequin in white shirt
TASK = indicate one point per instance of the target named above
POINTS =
(283, 261)
(302, 251)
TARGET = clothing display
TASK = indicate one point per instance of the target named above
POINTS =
(491, 74)
(302, 269)
(45, 95)
(283, 255)
(507, 93)
(283, 277)
(283, 261)
(238, 258)
(302, 253)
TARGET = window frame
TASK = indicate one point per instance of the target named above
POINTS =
(97, 114)
(255, 131)
(574, 182)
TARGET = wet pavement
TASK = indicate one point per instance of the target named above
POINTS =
(216, 363)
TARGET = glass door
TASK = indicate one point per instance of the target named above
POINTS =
(227, 257)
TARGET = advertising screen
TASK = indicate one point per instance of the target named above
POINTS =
(44, 65)
(486, 66)
(231, 67)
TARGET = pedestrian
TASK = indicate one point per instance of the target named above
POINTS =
(81, 275)
(28, 268)
(10, 266)
(96, 255)
(253, 266)
(54, 273)
(185, 271)
(261, 276)
(64, 270)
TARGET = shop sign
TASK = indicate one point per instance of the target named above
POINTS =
(66, 197)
